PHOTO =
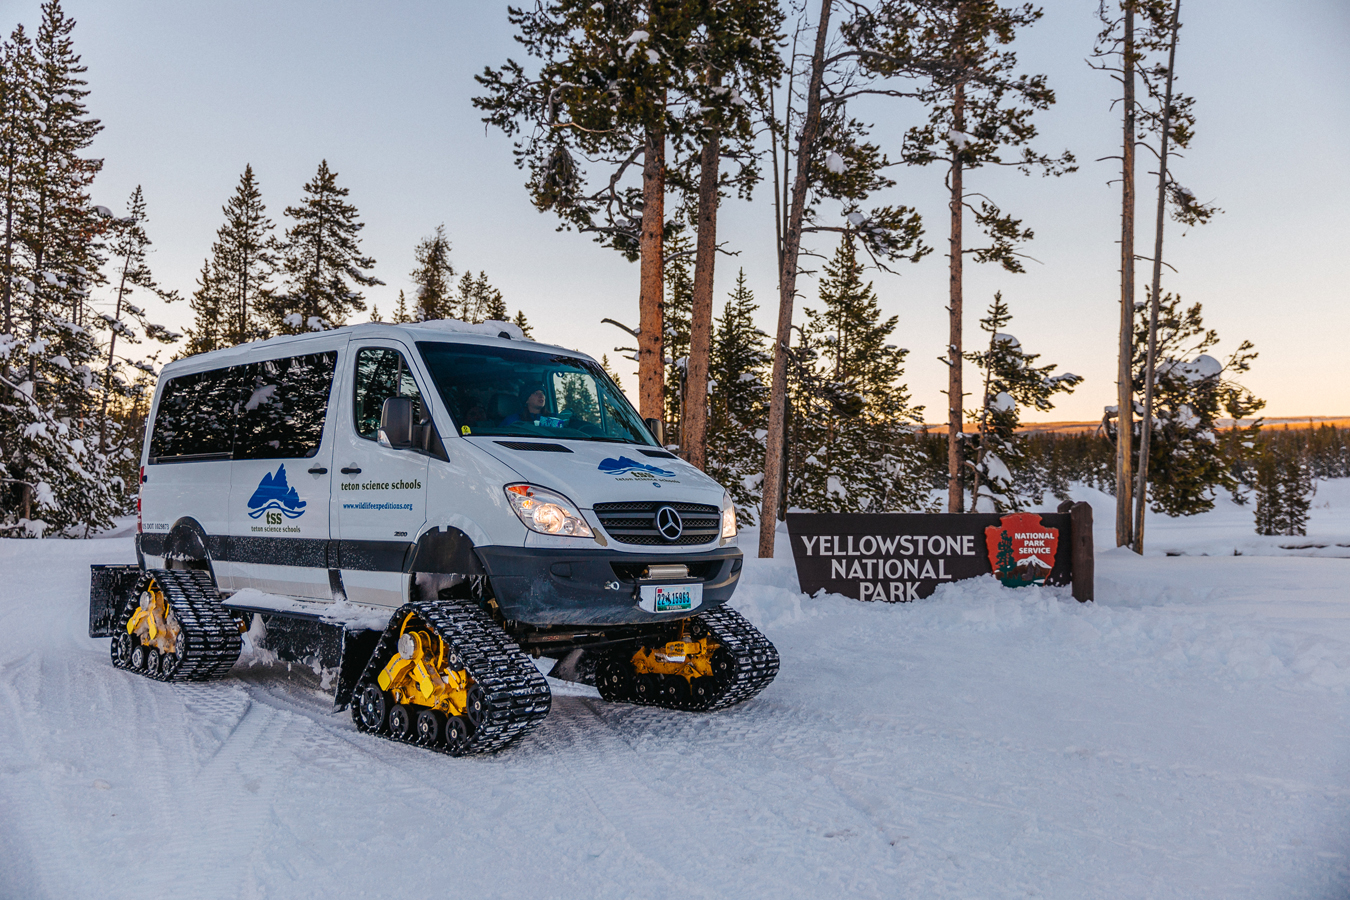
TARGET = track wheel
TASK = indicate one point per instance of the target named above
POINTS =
(430, 727)
(646, 688)
(401, 722)
(475, 708)
(121, 649)
(139, 655)
(374, 706)
(153, 661)
(456, 734)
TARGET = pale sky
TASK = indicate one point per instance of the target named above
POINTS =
(188, 93)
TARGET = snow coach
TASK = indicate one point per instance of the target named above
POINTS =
(419, 512)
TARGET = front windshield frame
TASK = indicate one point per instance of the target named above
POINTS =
(479, 383)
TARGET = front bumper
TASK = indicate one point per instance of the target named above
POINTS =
(546, 586)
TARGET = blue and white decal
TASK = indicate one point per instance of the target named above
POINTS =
(625, 466)
(276, 495)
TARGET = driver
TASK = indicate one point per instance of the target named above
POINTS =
(532, 398)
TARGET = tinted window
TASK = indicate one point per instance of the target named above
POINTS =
(508, 391)
(382, 373)
(195, 416)
(282, 407)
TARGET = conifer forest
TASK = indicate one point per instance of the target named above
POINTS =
(631, 122)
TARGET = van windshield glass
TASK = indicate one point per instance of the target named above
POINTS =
(525, 393)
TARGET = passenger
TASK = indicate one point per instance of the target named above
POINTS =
(534, 402)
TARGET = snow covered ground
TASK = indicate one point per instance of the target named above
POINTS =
(1187, 735)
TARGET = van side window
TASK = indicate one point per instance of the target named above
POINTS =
(195, 418)
(381, 373)
(282, 407)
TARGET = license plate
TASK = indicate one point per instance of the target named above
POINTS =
(669, 598)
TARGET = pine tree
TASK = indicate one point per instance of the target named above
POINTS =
(208, 330)
(401, 314)
(679, 292)
(1189, 457)
(323, 261)
(609, 370)
(524, 325)
(479, 301)
(996, 464)
(244, 260)
(17, 134)
(1283, 491)
(52, 475)
(848, 451)
(375, 314)
(129, 248)
(433, 276)
(980, 114)
(738, 401)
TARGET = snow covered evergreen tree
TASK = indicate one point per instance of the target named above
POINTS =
(997, 468)
(323, 260)
(52, 475)
(434, 276)
(853, 412)
(738, 400)
(1189, 457)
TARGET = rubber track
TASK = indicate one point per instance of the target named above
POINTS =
(210, 632)
(518, 697)
(754, 666)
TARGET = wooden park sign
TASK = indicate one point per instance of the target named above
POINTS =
(904, 556)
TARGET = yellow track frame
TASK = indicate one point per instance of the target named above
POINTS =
(153, 622)
(420, 674)
(690, 659)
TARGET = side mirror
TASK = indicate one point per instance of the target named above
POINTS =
(396, 423)
(658, 430)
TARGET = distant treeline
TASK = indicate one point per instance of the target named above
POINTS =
(1054, 460)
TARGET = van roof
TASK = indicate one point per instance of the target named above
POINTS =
(488, 334)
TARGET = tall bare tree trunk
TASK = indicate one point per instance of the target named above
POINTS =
(787, 289)
(694, 411)
(651, 298)
(112, 345)
(1150, 364)
(955, 392)
(1124, 394)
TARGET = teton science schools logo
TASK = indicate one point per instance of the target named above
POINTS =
(625, 469)
(275, 498)
(1021, 549)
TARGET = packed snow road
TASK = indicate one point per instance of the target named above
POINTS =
(1185, 736)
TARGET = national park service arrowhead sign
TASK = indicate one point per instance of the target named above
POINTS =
(1021, 549)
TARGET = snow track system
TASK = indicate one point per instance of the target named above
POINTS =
(174, 628)
(719, 661)
(446, 677)
(444, 674)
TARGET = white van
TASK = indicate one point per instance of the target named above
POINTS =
(474, 495)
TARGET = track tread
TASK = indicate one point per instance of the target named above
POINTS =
(754, 666)
(518, 697)
(209, 631)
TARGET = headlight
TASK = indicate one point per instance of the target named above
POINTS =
(728, 518)
(547, 512)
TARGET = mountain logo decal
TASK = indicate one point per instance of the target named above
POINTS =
(625, 466)
(274, 493)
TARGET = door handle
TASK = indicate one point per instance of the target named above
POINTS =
(351, 470)
(318, 470)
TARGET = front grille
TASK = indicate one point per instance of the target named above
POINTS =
(634, 522)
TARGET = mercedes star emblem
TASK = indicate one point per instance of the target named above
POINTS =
(668, 523)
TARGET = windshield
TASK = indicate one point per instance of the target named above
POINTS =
(527, 393)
